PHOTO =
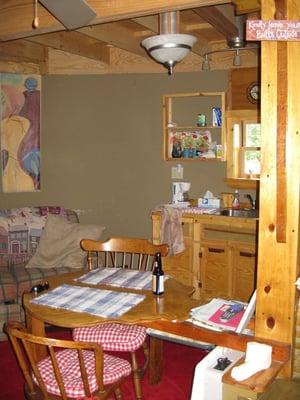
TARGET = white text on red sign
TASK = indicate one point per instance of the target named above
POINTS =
(282, 30)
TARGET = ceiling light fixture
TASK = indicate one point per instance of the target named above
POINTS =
(235, 44)
(237, 61)
(169, 47)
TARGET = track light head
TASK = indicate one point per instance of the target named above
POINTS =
(237, 62)
(205, 63)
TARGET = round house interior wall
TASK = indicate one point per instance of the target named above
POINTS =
(101, 144)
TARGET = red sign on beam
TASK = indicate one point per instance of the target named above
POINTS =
(279, 30)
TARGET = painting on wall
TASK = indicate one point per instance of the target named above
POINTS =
(20, 132)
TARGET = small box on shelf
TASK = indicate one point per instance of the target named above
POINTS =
(205, 202)
(217, 116)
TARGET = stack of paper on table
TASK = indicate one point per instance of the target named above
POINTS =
(211, 315)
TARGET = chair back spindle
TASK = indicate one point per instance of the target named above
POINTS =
(123, 253)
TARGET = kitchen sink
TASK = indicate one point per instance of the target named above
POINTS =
(241, 213)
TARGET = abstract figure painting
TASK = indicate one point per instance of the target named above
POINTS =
(20, 132)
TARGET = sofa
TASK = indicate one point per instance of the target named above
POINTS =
(36, 243)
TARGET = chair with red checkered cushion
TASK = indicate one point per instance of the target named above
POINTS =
(124, 253)
(74, 370)
(113, 336)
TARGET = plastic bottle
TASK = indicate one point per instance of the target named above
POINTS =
(158, 276)
(201, 120)
(236, 200)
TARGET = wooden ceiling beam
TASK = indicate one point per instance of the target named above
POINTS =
(150, 22)
(117, 35)
(218, 20)
(74, 43)
(202, 45)
(247, 6)
(16, 16)
(23, 50)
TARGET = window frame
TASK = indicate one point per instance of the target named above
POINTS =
(236, 121)
(244, 148)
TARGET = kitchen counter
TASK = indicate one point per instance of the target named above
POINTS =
(226, 212)
(216, 219)
(220, 254)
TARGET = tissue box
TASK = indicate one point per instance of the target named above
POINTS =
(209, 202)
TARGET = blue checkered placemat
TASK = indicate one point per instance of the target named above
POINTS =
(124, 278)
(99, 302)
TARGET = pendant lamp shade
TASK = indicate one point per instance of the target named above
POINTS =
(169, 49)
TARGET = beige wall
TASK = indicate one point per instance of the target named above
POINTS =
(102, 148)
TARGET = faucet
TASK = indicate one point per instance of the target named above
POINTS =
(252, 202)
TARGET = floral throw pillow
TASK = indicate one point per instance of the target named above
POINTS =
(20, 231)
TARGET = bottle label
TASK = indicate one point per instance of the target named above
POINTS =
(236, 202)
(158, 284)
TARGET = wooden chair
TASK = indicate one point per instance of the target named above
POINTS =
(124, 253)
(71, 370)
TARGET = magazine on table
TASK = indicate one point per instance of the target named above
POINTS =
(220, 314)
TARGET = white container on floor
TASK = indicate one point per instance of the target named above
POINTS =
(207, 383)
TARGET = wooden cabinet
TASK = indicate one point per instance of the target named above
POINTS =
(183, 137)
(179, 265)
(227, 257)
(214, 269)
(220, 256)
(244, 275)
(227, 269)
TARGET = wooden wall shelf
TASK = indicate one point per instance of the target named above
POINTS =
(240, 183)
(183, 138)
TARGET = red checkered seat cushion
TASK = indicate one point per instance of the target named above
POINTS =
(68, 362)
(112, 336)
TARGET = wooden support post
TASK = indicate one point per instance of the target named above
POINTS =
(278, 247)
(282, 94)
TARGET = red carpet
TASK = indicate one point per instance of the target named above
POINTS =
(179, 364)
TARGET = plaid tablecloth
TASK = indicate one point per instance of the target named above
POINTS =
(99, 302)
(124, 278)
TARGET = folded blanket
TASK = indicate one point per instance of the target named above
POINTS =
(171, 229)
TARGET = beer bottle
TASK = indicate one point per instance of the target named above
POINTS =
(157, 276)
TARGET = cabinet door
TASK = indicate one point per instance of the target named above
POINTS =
(244, 261)
(215, 272)
(180, 266)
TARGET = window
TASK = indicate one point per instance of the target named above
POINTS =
(250, 150)
(243, 145)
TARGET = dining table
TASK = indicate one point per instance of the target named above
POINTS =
(168, 313)
(173, 306)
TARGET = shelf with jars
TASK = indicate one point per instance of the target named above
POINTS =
(202, 141)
